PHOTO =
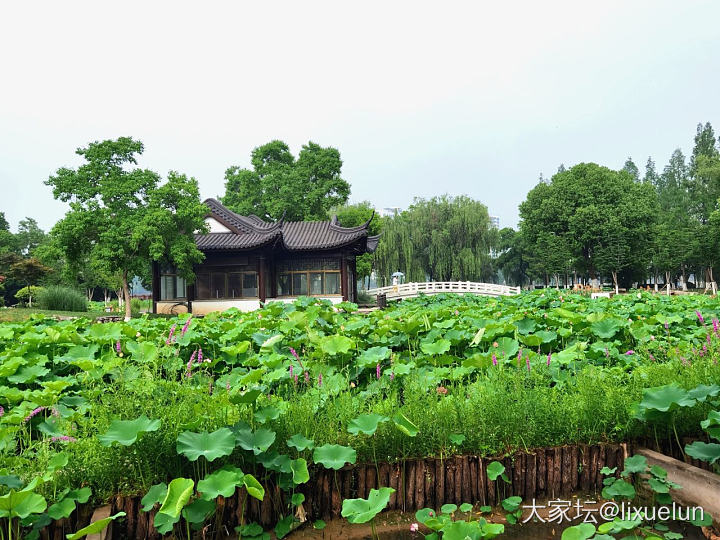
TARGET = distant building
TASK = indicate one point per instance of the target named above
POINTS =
(495, 222)
(391, 211)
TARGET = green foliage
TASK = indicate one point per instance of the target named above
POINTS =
(58, 298)
(126, 432)
(122, 218)
(444, 238)
(364, 510)
(280, 185)
(29, 292)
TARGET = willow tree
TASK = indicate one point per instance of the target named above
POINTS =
(441, 239)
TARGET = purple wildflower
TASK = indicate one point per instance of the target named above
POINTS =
(527, 362)
(186, 326)
(549, 357)
(294, 353)
(118, 347)
(519, 356)
(377, 371)
(607, 353)
(227, 386)
(667, 326)
(291, 371)
(700, 317)
(296, 378)
(199, 358)
(708, 339)
(2, 410)
(64, 438)
(170, 335)
(33, 413)
(651, 357)
(307, 378)
(55, 412)
(188, 373)
(629, 352)
(392, 376)
(494, 359)
(319, 379)
(716, 323)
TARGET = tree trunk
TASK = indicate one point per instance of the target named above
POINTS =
(106, 295)
(126, 296)
(655, 279)
(90, 291)
(711, 278)
(667, 282)
(683, 282)
(557, 281)
(615, 281)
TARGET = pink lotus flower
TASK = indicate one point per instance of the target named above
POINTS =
(629, 352)
(414, 527)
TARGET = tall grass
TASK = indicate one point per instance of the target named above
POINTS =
(58, 298)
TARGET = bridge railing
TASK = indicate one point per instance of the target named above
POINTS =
(436, 287)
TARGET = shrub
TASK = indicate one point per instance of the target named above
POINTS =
(26, 294)
(58, 298)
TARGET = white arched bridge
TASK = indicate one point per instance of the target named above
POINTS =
(411, 290)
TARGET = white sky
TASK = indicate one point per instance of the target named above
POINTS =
(421, 99)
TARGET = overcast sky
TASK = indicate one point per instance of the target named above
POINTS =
(473, 98)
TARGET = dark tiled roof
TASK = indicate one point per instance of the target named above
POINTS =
(251, 231)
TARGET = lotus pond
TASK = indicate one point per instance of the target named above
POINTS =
(186, 410)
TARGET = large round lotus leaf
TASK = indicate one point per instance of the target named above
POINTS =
(703, 451)
(211, 445)
(300, 473)
(126, 432)
(300, 443)
(334, 456)
(461, 530)
(579, 532)
(366, 423)
(21, 504)
(546, 336)
(363, 510)
(178, 494)
(435, 348)
(61, 509)
(198, 511)
(525, 326)
(222, 482)
(165, 523)
(665, 398)
(373, 356)
(606, 328)
(336, 344)
(702, 391)
(531, 340)
(258, 442)
(404, 424)
(266, 414)
(95, 527)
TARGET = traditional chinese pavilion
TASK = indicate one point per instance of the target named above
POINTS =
(249, 261)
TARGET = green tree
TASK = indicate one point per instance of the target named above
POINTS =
(280, 185)
(353, 215)
(651, 175)
(29, 236)
(631, 169)
(29, 271)
(512, 258)
(7, 239)
(123, 217)
(568, 219)
(440, 239)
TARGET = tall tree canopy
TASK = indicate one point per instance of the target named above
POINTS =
(278, 184)
(352, 215)
(122, 217)
(590, 218)
(444, 239)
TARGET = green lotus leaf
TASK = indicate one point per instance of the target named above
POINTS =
(635, 464)
(703, 391)
(297, 499)
(373, 356)
(126, 432)
(363, 510)
(178, 494)
(300, 443)
(213, 445)
(245, 398)
(435, 348)
(461, 530)
(511, 503)
(199, 510)
(61, 509)
(22, 503)
(579, 532)
(11, 481)
(494, 470)
(164, 523)
(525, 326)
(28, 374)
(97, 526)
(532, 340)
(336, 344)
(258, 442)
(300, 473)
(266, 414)
(404, 424)
(253, 487)
(619, 489)
(366, 423)
(712, 424)
(456, 438)
(448, 508)
(156, 494)
(222, 482)
(424, 514)
(284, 526)
(665, 398)
(507, 347)
(466, 507)
(334, 456)
(709, 452)
(546, 336)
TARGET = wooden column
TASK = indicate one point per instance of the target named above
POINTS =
(190, 292)
(155, 285)
(272, 276)
(344, 278)
(261, 278)
(353, 269)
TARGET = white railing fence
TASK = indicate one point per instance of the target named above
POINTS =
(409, 290)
